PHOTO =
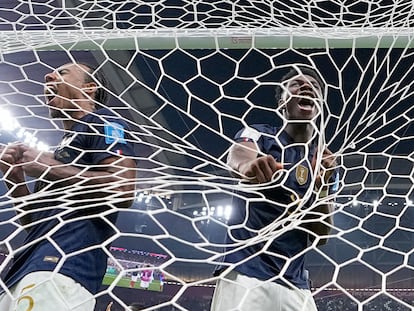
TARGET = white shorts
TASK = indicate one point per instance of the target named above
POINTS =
(242, 293)
(43, 290)
(144, 284)
(134, 278)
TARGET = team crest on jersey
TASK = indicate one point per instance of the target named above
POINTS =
(302, 174)
(114, 132)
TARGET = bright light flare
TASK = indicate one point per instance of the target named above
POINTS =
(7, 121)
(10, 124)
(227, 212)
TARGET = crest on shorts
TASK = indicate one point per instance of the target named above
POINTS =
(302, 174)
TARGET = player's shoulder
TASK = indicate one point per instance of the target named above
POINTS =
(104, 116)
(265, 128)
(254, 132)
(258, 130)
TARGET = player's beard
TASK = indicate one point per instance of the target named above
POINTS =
(56, 113)
(59, 108)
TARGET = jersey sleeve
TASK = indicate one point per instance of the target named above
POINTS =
(260, 134)
(247, 134)
(107, 137)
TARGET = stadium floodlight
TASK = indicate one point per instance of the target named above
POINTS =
(227, 212)
(10, 124)
(140, 196)
(42, 146)
(148, 199)
(219, 211)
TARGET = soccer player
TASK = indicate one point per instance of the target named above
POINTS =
(270, 275)
(162, 279)
(134, 277)
(146, 277)
(69, 218)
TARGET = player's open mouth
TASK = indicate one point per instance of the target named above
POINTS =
(306, 105)
(50, 93)
(307, 101)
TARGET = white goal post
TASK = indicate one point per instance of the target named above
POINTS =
(233, 38)
(186, 76)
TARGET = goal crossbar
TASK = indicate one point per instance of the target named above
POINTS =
(122, 39)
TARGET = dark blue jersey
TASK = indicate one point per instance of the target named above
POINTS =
(61, 238)
(261, 260)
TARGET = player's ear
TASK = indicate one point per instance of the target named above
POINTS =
(90, 89)
(281, 104)
(284, 95)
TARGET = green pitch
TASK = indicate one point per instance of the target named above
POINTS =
(124, 282)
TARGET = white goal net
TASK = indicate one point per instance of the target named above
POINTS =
(184, 77)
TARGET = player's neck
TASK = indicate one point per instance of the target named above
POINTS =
(300, 133)
(74, 117)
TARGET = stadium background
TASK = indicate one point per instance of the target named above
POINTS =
(361, 277)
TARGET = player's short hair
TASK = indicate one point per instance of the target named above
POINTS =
(298, 70)
(96, 76)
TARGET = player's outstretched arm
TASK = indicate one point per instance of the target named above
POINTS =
(121, 170)
(322, 226)
(114, 176)
(323, 211)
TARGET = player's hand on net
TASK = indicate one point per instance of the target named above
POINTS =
(10, 158)
(260, 170)
(327, 167)
(108, 308)
(36, 162)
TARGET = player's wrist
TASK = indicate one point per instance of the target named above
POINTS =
(322, 192)
(241, 167)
